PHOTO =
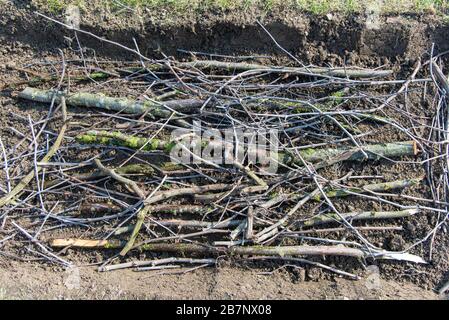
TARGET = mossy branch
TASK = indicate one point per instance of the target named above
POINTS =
(123, 140)
(374, 187)
(367, 215)
(95, 100)
(374, 151)
(113, 174)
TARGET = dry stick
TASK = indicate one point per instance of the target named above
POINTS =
(317, 264)
(179, 209)
(160, 197)
(445, 83)
(348, 191)
(164, 267)
(195, 248)
(249, 223)
(155, 263)
(237, 231)
(142, 213)
(391, 98)
(164, 195)
(137, 168)
(5, 167)
(333, 72)
(140, 219)
(40, 245)
(119, 178)
(284, 219)
(183, 236)
(444, 288)
(135, 232)
(85, 99)
(215, 197)
(440, 76)
(268, 235)
(6, 199)
(278, 45)
(185, 248)
(98, 208)
(368, 215)
(331, 205)
(251, 174)
(341, 72)
(301, 232)
(174, 209)
(138, 269)
(87, 243)
(185, 223)
(374, 187)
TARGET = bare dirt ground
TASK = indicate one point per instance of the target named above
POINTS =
(397, 43)
(24, 281)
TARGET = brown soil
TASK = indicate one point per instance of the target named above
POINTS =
(335, 40)
(21, 281)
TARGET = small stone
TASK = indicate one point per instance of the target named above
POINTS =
(313, 274)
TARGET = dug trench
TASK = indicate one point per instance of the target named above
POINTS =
(395, 42)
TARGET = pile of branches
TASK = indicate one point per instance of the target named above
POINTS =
(105, 178)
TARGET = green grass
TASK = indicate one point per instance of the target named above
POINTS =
(312, 6)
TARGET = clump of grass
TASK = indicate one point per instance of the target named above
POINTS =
(55, 6)
(58, 6)
(416, 6)
(312, 6)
